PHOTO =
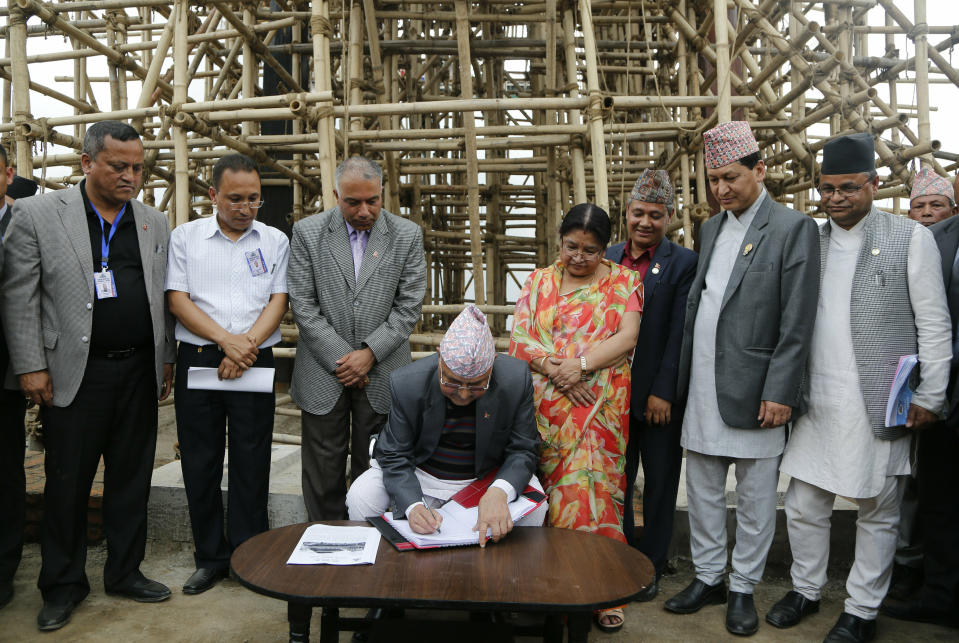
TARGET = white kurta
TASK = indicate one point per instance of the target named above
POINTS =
(832, 446)
(703, 428)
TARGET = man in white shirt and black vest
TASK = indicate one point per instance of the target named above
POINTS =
(881, 298)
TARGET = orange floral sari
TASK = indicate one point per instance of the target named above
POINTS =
(583, 456)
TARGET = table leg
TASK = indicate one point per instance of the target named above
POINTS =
(299, 616)
(330, 625)
(578, 625)
(553, 629)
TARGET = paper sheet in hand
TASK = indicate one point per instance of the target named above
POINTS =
(900, 394)
(329, 545)
(253, 380)
(457, 526)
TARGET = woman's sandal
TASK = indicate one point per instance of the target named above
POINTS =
(615, 615)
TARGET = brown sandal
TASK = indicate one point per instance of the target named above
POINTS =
(615, 615)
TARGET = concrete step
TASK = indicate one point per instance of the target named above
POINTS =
(169, 517)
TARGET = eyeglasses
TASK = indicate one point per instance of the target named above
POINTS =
(588, 255)
(236, 206)
(847, 191)
(456, 386)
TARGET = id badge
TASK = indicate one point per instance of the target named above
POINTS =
(254, 259)
(104, 285)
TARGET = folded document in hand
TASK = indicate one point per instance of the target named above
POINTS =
(900, 394)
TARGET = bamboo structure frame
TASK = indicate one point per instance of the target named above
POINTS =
(490, 117)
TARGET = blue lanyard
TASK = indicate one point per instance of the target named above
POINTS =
(104, 238)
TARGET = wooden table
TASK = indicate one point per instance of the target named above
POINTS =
(534, 569)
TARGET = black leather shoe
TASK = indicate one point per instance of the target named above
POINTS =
(741, 617)
(203, 579)
(649, 593)
(851, 629)
(53, 615)
(918, 612)
(6, 593)
(696, 595)
(142, 590)
(906, 581)
(791, 609)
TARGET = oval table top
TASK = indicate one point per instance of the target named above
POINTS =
(532, 569)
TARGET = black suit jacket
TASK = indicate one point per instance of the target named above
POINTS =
(506, 434)
(947, 238)
(656, 359)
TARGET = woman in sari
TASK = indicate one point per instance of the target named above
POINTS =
(576, 323)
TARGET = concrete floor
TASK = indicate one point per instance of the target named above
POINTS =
(230, 612)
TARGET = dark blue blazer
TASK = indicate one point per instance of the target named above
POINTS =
(656, 359)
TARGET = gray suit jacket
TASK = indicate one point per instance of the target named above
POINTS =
(47, 300)
(768, 310)
(337, 314)
(506, 434)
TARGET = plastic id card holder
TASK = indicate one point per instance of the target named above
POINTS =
(254, 259)
(104, 285)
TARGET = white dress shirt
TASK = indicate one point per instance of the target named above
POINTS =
(703, 428)
(215, 271)
(832, 446)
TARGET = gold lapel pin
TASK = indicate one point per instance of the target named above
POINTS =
(747, 249)
(875, 252)
(656, 269)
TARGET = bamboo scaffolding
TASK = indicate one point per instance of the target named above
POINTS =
(490, 117)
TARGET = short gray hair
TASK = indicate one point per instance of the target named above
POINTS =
(95, 138)
(362, 167)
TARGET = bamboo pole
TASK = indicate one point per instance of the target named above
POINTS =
(181, 168)
(472, 162)
(723, 85)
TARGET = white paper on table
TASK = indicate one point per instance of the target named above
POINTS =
(253, 380)
(329, 545)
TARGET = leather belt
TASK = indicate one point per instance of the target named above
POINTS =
(113, 353)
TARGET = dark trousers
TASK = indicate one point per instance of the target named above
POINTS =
(325, 442)
(204, 419)
(662, 459)
(12, 481)
(113, 415)
(939, 513)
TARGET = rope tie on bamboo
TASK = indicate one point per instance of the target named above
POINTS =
(316, 113)
(112, 19)
(321, 25)
(367, 85)
(918, 29)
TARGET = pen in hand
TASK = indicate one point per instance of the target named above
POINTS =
(429, 509)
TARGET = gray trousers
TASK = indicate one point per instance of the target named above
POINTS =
(808, 512)
(756, 480)
(326, 440)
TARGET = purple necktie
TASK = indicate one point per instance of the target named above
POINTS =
(358, 240)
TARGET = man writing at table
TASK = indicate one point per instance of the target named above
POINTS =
(476, 415)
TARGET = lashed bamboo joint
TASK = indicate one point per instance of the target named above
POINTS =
(490, 118)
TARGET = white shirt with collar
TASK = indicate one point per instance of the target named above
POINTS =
(703, 428)
(832, 446)
(215, 272)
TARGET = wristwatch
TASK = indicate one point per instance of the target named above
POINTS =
(583, 376)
